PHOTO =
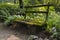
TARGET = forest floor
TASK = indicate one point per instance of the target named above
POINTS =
(10, 34)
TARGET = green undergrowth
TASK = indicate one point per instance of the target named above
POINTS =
(8, 13)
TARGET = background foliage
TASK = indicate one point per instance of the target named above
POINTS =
(9, 9)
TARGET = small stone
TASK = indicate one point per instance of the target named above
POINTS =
(46, 39)
(13, 37)
(40, 38)
(31, 37)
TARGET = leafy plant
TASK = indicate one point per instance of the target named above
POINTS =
(53, 18)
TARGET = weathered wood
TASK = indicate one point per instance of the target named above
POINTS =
(46, 12)
(36, 6)
(35, 12)
(27, 23)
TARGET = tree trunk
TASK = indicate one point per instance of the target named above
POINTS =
(21, 3)
(14, 1)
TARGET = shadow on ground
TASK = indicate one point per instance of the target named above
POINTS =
(11, 34)
(20, 33)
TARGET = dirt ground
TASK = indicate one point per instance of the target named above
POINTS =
(11, 34)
